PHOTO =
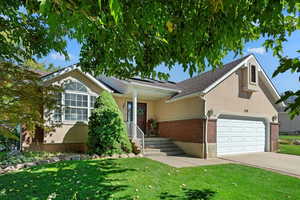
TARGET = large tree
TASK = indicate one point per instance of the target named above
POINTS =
(125, 38)
(23, 37)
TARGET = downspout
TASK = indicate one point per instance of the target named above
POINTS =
(205, 147)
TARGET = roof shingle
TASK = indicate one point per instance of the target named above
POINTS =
(204, 80)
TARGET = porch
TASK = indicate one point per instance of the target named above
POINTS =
(139, 110)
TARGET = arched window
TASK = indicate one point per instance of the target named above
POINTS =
(75, 86)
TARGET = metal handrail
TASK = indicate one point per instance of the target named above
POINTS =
(139, 133)
(139, 130)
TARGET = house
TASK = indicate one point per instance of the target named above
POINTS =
(288, 125)
(230, 110)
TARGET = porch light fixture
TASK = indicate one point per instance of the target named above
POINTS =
(210, 113)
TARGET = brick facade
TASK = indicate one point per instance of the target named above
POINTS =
(212, 131)
(190, 130)
(274, 136)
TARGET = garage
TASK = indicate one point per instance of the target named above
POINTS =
(236, 136)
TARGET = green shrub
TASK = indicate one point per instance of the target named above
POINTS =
(107, 131)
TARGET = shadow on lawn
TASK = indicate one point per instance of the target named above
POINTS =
(65, 180)
(190, 194)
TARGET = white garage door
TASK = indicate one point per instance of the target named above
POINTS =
(236, 136)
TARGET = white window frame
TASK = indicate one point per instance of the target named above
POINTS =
(250, 73)
(89, 93)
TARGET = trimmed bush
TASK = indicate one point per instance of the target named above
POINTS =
(107, 131)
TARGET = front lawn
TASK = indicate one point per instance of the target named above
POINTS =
(289, 149)
(286, 145)
(289, 137)
(141, 178)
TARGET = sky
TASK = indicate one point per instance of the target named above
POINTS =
(283, 82)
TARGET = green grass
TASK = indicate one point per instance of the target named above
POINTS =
(141, 178)
(290, 149)
(287, 146)
(289, 137)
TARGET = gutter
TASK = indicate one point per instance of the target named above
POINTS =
(154, 87)
(184, 97)
(205, 147)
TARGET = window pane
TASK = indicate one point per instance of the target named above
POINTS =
(67, 96)
(67, 113)
(73, 103)
(67, 102)
(79, 97)
(85, 114)
(73, 97)
(92, 101)
(129, 112)
(84, 104)
(76, 114)
(253, 74)
(75, 86)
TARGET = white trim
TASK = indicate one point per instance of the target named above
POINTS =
(73, 68)
(213, 85)
(272, 86)
(250, 74)
(226, 75)
(236, 68)
(97, 82)
(155, 87)
(184, 97)
(89, 94)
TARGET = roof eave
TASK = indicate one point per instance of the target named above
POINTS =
(184, 97)
(77, 68)
(154, 87)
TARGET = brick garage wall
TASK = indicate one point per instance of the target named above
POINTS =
(190, 130)
(274, 131)
(60, 147)
(212, 131)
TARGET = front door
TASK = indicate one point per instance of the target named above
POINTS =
(141, 114)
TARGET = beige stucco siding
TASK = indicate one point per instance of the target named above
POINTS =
(189, 108)
(77, 132)
(70, 132)
(230, 98)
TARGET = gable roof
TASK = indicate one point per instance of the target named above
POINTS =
(62, 71)
(203, 81)
(197, 85)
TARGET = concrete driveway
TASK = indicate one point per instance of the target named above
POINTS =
(281, 163)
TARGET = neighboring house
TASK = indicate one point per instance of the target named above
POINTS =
(227, 111)
(288, 125)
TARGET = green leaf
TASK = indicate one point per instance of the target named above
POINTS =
(99, 4)
(115, 10)
(6, 132)
(43, 5)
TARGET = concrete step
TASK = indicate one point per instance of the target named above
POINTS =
(164, 153)
(158, 142)
(159, 146)
(168, 149)
(156, 139)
